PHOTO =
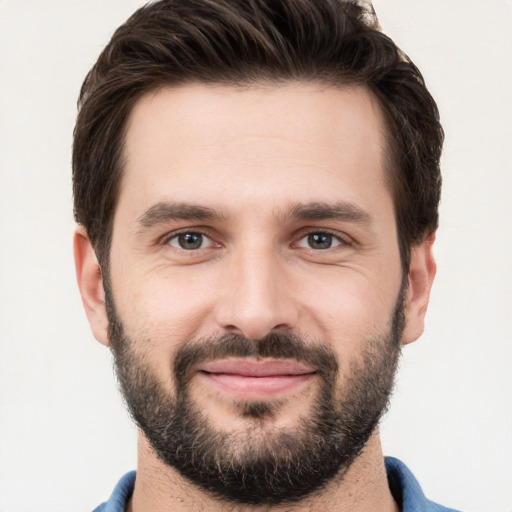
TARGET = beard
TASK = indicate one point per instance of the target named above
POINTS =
(261, 464)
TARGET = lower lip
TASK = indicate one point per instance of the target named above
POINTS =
(256, 387)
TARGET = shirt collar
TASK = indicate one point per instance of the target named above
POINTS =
(405, 489)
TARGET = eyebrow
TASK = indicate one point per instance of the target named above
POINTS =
(163, 212)
(342, 211)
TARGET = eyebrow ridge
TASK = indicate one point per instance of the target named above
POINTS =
(165, 211)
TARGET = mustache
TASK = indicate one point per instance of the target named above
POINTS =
(320, 358)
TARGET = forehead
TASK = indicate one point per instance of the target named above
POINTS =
(269, 143)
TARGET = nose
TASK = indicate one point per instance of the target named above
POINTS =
(255, 295)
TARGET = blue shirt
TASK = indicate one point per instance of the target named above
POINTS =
(404, 487)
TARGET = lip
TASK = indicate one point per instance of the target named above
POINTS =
(263, 379)
(254, 368)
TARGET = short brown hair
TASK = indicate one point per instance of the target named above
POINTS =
(334, 42)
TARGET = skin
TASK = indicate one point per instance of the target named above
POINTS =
(252, 156)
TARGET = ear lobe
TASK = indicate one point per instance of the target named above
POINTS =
(90, 282)
(421, 276)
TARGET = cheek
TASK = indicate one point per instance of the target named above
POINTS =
(350, 308)
(159, 314)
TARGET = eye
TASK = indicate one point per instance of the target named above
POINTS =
(190, 241)
(319, 241)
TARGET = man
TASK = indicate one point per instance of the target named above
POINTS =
(256, 186)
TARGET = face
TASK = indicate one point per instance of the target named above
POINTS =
(255, 288)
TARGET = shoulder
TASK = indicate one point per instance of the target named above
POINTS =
(120, 495)
(407, 491)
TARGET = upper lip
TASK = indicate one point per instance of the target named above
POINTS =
(255, 368)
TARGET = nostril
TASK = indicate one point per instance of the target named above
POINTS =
(233, 329)
(281, 327)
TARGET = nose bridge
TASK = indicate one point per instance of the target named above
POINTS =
(255, 298)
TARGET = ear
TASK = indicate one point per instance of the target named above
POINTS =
(90, 282)
(421, 276)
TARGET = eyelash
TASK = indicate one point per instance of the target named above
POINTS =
(195, 231)
(343, 241)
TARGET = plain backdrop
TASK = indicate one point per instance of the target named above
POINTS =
(65, 438)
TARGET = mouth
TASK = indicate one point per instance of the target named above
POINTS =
(255, 379)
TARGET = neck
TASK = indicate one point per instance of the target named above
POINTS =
(363, 488)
